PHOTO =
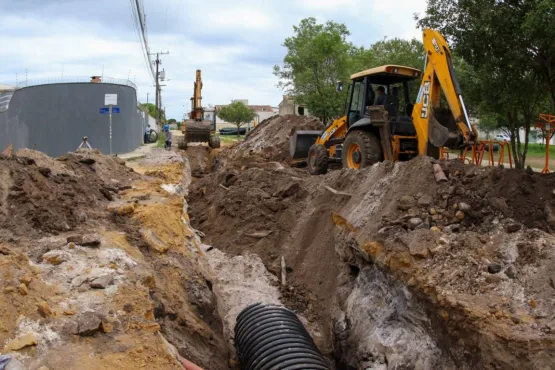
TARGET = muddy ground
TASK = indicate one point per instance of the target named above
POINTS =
(392, 269)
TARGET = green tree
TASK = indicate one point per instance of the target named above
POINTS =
(237, 113)
(318, 57)
(494, 38)
(151, 108)
(408, 53)
(171, 120)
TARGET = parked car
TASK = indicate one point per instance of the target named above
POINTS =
(232, 131)
(501, 137)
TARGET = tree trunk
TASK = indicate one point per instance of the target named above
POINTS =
(512, 119)
(238, 130)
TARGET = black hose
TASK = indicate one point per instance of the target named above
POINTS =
(272, 337)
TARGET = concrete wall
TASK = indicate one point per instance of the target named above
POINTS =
(287, 107)
(53, 118)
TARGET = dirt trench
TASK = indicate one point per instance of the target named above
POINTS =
(389, 269)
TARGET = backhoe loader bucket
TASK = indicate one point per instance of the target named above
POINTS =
(301, 141)
(197, 131)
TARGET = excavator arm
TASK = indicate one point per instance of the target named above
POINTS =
(196, 101)
(438, 76)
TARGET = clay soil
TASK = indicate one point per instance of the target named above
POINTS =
(67, 221)
(480, 237)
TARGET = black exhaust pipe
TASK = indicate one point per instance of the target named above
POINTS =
(271, 337)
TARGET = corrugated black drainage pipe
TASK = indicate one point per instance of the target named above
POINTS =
(271, 337)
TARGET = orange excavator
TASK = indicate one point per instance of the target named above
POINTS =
(196, 129)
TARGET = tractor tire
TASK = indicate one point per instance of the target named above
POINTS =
(152, 136)
(181, 143)
(318, 158)
(361, 149)
(214, 142)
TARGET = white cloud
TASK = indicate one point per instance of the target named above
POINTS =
(235, 44)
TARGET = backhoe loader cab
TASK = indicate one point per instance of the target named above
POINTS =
(365, 119)
(387, 119)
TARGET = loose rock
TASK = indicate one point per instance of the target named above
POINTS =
(88, 161)
(78, 281)
(54, 257)
(414, 223)
(88, 324)
(26, 340)
(452, 228)
(46, 172)
(464, 207)
(23, 289)
(76, 239)
(425, 201)
(511, 272)
(26, 279)
(513, 228)
(460, 215)
(102, 282)
(423, 226)
(121, 208)
(494, 268)
(91, 240)
(406, 202)
(44, 309)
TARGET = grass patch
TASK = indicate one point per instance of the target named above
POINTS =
(538, 150)
(231, 138)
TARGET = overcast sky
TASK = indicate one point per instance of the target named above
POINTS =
(234, 43)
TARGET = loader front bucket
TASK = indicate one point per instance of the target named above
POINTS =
(301, 141)
(197, 131)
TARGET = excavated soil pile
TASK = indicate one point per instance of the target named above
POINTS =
(98, 265)
(396, 269)
(271, 136)
(46, 195)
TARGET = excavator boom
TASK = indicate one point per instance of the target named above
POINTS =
(439, 75)
(196, 129)
(196, 101)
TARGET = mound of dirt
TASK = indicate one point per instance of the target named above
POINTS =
(52, 196)
(271, 136)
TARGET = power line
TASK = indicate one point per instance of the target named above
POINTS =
(139, 22)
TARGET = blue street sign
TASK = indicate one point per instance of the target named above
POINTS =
(106, 110)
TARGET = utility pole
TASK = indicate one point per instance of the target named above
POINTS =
(157, 75)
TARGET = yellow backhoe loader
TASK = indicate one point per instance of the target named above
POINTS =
(196, 128)
(395, 128)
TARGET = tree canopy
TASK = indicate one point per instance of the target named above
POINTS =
(318, 57)
(152, 111)
(237, 113)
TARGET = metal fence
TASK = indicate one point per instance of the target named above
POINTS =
(73, 79)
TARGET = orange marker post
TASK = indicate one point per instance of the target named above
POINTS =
(547, 128)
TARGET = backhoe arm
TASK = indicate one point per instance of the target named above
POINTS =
(196, 100)
(438, 76)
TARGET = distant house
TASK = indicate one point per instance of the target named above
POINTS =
(288, 106)
(262, 112)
